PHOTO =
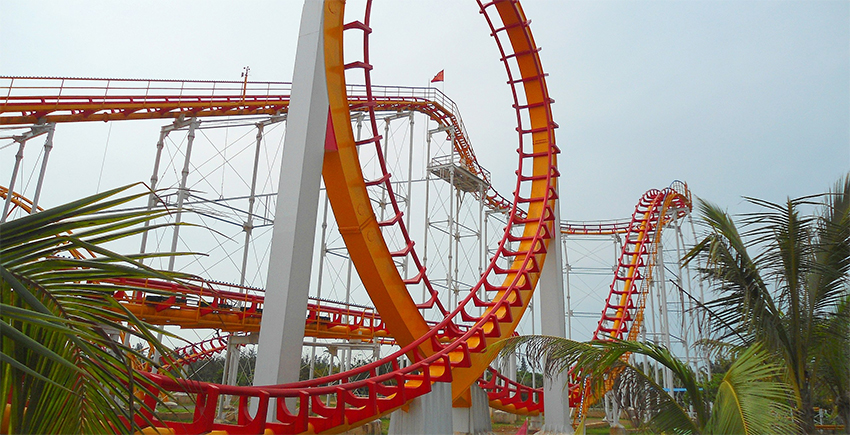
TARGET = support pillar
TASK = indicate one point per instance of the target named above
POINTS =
(183, 192)
(553, 315)
(475, 419)
(36, 130)
(152, 198)
(291, 258)
(48, 146)
(612, 413)
(430, 414)
(18, 157)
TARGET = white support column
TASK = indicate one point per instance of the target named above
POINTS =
(231, 370)
(291, 258)
(475, 419)
(36, 130)
(552, 318)
(664, 314)
(702, 319)
(409, 194)
(427, 415)
(450, 287)
(48, 146)
(428, 134)
(567, 270)
(248, 227)
(183, 192)
(18, 157)
(685, 312)
(160, 144)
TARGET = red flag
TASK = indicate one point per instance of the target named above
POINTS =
(523, 430)
(438, 77)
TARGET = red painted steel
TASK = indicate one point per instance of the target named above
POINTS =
(368, 392)
(32, 100)
(378, 394)
(622, 314)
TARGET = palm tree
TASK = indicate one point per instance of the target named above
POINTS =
(61, 370)
(752, 398)
(792, 295)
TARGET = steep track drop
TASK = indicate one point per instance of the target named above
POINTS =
(462, 361)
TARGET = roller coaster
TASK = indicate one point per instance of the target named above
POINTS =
(436, 341)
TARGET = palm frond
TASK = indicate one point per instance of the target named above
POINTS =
(62, 371)
(745, 307)
(752, 399)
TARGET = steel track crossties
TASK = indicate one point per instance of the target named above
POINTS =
(623, 312)
(461, 360)
(443, 352)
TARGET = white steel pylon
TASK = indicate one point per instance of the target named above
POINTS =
(291, 259)
(553, 322)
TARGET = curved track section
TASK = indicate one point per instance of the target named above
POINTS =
(462, 360)
(623, 313)
(621, 317)
(512, 287)
(39, 100)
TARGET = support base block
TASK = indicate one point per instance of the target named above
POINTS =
(430, 414)
(474, 420)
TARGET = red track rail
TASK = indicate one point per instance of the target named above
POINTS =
(461, 361)
(622, 315)
(34, 100)
(647, 221)
(201, 298)
(599, 228)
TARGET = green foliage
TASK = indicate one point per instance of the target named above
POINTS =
(792, 294)
(751, 398)
(61, 370)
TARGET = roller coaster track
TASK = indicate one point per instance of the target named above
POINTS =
(329, 319)
(199, 303)
(505, 394)
(441, 352)
(620, 314)
(596, 228)
(40, 100)
(462, 358)
(623, 313)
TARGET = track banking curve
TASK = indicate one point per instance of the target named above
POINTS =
(445, 352)
(203, 304)
(460, 360)
(43, 100)
(623, 312)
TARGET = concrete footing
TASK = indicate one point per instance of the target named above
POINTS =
(474, 420)
(432, 414)
(427, 415)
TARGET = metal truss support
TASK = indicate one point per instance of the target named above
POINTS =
(160, 144)
(183, 192)
(48, 146)
(35, 131)
(664, 314)
(567, 270)
(249, 220)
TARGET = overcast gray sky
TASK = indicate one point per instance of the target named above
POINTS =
(734, 97)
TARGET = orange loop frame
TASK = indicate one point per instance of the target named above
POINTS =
(537, 176)
(440, 353)
(462, 360)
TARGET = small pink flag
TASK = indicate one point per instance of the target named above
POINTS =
(523, 430)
